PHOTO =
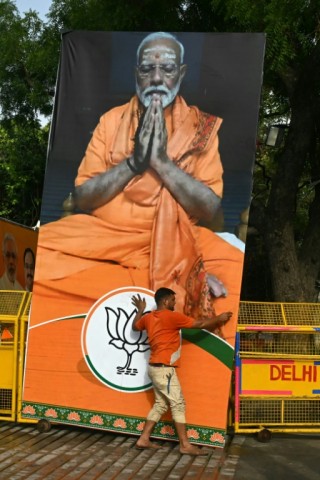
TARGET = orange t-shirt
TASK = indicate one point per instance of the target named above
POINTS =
(163, 329)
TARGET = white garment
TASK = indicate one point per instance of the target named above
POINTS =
(6, 284)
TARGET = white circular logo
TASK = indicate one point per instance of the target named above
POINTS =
(117, 355)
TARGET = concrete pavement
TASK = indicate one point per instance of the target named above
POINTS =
(286, 456)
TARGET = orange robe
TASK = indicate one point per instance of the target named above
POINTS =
(143, 236)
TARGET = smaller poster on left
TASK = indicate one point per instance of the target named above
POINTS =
(18, 256)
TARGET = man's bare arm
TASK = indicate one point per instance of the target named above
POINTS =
(213, 323)
(99, 190)
(196, 199)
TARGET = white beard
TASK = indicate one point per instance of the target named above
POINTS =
(167, 96)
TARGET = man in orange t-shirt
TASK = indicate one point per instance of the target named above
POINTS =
(163, 328)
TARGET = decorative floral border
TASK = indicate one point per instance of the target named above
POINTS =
(119, 423)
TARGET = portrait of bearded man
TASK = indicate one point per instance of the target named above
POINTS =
(151, 173)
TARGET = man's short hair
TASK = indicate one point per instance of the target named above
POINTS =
(162, 293)
(160, 36)
(29, 250)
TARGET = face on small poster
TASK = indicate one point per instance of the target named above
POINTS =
(17, 262)
(156, 136)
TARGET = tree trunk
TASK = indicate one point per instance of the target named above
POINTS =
(293, 280)
(284, 265)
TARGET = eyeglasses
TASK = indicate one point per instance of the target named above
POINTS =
(10, 254)
(167, 69)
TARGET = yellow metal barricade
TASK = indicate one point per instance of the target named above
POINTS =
(14, 308)
(11, 305)
(23, 330)
(277, 373)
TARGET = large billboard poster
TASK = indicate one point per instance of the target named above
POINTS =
(155, 139)
(18, 251)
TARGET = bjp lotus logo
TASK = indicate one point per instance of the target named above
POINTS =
(119, 329)
(115, 354)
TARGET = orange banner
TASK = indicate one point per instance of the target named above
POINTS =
(17, 263)
(149, 176)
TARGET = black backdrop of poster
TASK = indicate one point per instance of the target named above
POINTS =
(96, 73)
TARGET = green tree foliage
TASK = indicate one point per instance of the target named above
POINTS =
(26, 87)
(117, 15)
(286, 210)
(25, 93)
(22, 154)
(137, 15)
(286, 201)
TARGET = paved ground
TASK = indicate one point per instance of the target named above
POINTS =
(285, 457)
(66, 453)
